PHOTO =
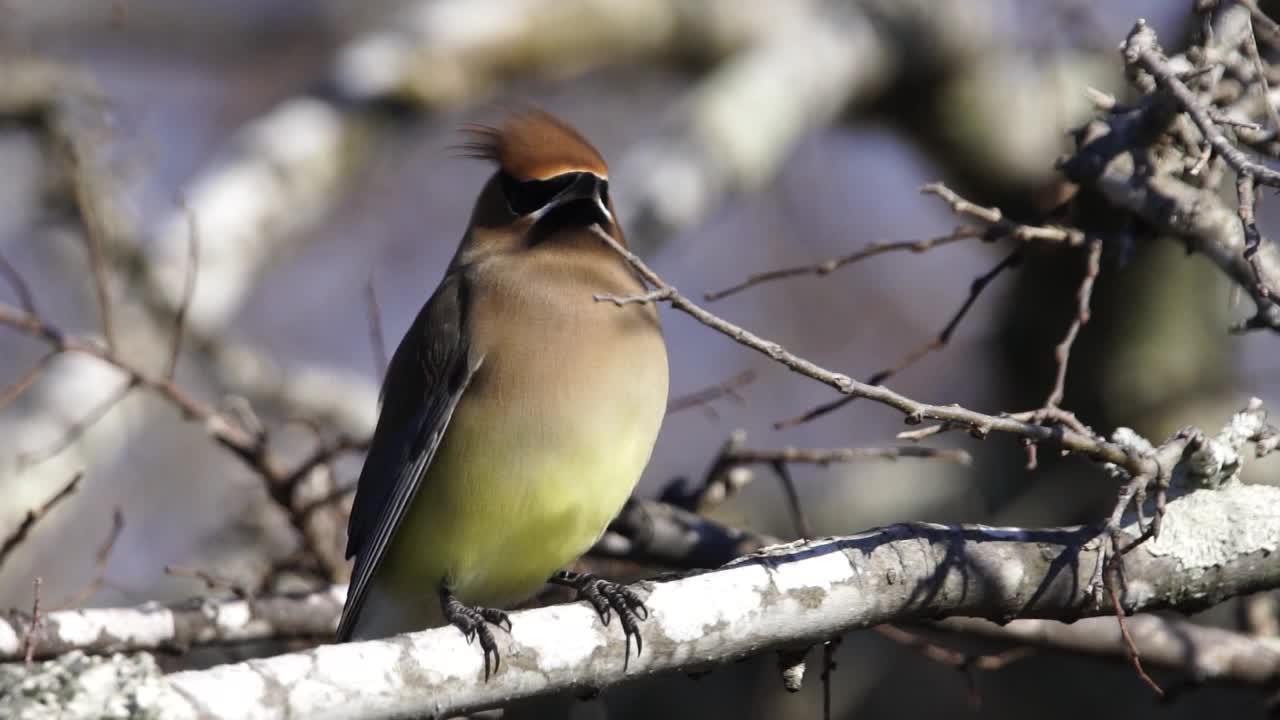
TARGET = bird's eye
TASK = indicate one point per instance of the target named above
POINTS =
(531, 195)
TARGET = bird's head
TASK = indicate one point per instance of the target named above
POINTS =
(550, 184)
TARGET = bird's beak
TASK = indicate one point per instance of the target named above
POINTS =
(589, 189)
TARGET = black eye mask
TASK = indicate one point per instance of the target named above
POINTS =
(530, 196)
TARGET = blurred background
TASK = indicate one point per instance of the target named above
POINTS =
(310, 140)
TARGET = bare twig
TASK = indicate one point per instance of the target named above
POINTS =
(940, 341)
(94, 231)
(742, 456)
(1261, 21)
(15, 538)
(1142, 50)
(376, 339)
(210, 580)
(250, 447)
(1062, 352)
(829, 266)
(77, 429)
(19, 284)
(30, 637)
(799, 519)
(646, 298)
(829, 649)
(99, 563)
(1206, 653)
(1000, 226)
(1246, 200)
(1251, 49)
(1110, 580)
(19, 386)
(188, 291)
(704, 397)
(968, 664)
(915, 412)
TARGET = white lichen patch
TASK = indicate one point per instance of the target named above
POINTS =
(685, 610)
(231, 619)
(823, 567)
(1209, 528)
(228, 691)
(443, 653)
(328, 675)
(82, 629)
(9, 640)
(564, 636)
(76, 685)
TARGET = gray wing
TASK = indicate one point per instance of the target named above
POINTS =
(428, 373)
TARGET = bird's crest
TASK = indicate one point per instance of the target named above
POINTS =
(532, 144)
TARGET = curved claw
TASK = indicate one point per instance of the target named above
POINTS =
(607, 598)
(474, 623)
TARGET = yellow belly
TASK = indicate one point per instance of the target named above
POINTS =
(518, 492)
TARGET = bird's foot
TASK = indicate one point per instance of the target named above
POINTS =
(474, 623)
(608, 597)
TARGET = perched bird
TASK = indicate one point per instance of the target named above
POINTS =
(517, 412)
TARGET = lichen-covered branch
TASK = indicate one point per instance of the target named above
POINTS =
(1207, 654)
(1216, 544)
(176, 627)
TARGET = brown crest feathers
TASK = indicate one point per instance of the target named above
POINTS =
(532, 144)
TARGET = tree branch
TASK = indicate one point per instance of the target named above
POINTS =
(1216, 544)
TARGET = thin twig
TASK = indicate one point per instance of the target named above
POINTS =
(335, 495)
(99, 563)
(1062, 352)
(211, 581)
(829, 266)
(1251, 49)
(798, 517)
(19, 284)
(1246, 199)
(939, 341)
(704, 397)
(78, 428)
(93, 232)
(964, 662)
(19, 386)
(914, 412)
(1142, 50)
(815, 456)
(29, 639)
(828, 666)
(376, 339)
(645, 299)
(19, 534)
(1262, 21)
(247, 445)
(1131, 648)
(188, 291)
(1002, 227)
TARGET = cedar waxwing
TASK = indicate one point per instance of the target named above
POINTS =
(517, 412)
